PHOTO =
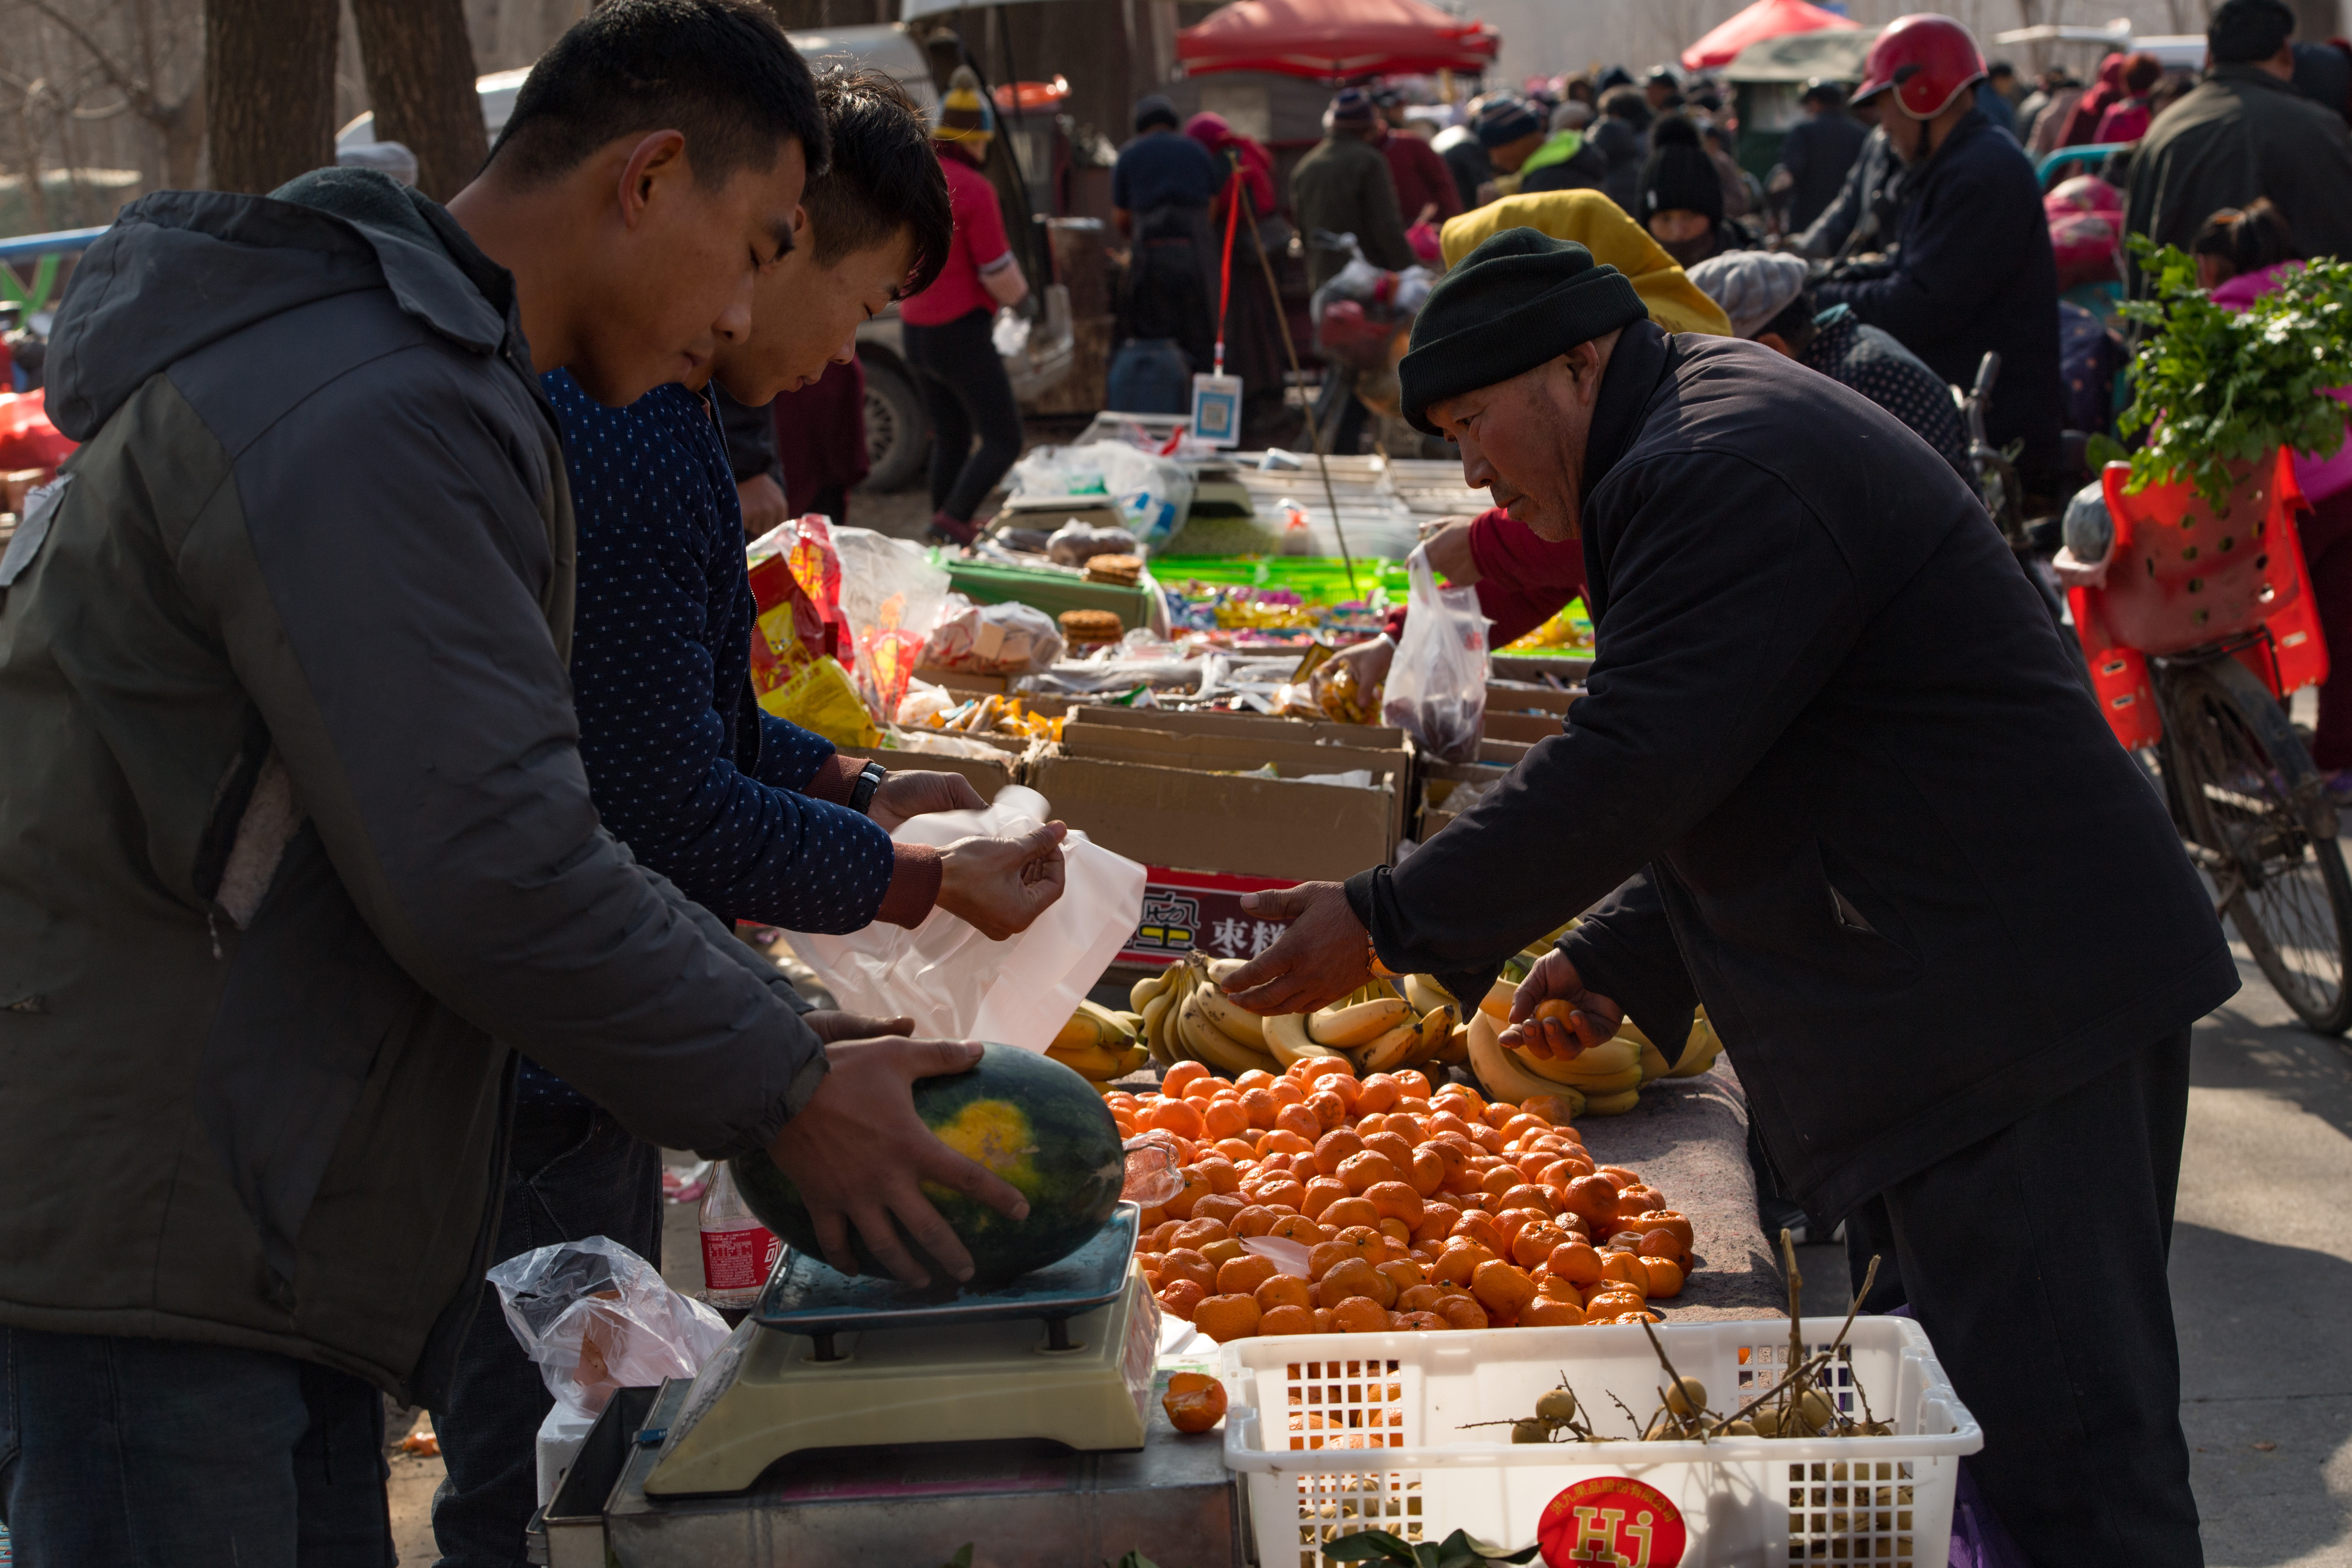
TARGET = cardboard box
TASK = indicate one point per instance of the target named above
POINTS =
(1168, 815)
(1434, 789)
(1241, 742)
(1524, 711)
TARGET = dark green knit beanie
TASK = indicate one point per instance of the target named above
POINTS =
(1519, 300)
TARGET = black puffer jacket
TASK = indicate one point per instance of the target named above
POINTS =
(1856, 799)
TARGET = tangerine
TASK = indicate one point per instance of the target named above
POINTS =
(1321, 1194)
(1194, 1401)
(1424, 1322)
(1185, 1263)
(1282, 1192)
(1349, 1211)
(1378, 1093)
(1219, 1207)
(1366, 1169)
(1389, 1146)
(1546, 1312)
(1576, 1262)
(1463, 1312)
(1259, 1106)
(1354, 1277)
(1330, 1110)
(1282, 1290)
(1662, 1276)
(1225, 1318)
(1297, 1228)
(1224, 1117)
(1173, 1080)
(1396, 1200)
(1287, 1318)
(1181, 1117)
(1361, 1315)
(1426, 1171)
(1502, 1287)
(1178, 1298)
(1198, 1233)
(1301, 1121)
(1224, 1252)
(1335, 1149)
(1535, 1243)
(1254, 1220)
(1419, 1298)
(1244, 1274)
(1402, 1273)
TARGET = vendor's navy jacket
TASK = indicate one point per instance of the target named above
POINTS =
(1833, 752)
(1973, 271)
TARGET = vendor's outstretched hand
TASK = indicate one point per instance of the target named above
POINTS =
(830, 1025)
(1591, 1018)
(1001, 885)
(901, 795)
(1321, 958)
(857, 1152)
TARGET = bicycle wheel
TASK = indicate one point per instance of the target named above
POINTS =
(2259, 819)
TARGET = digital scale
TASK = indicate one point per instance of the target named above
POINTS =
(827, 1360)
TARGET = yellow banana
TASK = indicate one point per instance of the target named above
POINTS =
(1151, 986)
(1231, 1017)
(1590, 1083)
(1502, 1075)
(1286, 1038)
(1360, 1024)
(1223, 969)
(1156, 1009)
(1699, 1053)
(1605, 1059)
(1456, 1049)
(1425, 994)
(1397, 1048)
(1616, 1104)
(1437, 1026)
(1092, 1062)
(1496, 1003)
(1212, 1046)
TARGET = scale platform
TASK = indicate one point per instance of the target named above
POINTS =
(830, 1360)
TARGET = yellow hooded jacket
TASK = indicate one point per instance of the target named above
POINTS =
(1601, 226)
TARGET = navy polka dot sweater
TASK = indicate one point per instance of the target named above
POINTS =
(684, 767)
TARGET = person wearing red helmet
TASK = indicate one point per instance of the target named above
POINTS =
(1971, 268)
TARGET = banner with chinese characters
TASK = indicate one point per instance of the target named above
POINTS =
(1185, 909)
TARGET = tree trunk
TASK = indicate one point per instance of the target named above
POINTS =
(269, 89)
(2317, 21)
(182, 131)
(420, 78)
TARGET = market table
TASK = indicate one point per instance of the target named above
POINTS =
(1688, 1138)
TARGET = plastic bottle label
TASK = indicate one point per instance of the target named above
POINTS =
(738, 1259)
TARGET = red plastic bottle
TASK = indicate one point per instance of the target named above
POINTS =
(738, 1251)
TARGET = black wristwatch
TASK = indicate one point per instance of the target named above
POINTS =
(869, 779)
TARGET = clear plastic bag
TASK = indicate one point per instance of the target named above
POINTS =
(993, 639)
(1436, 688)
(957, 985)
(1154, 494)
(596, 1317)
(891, 599)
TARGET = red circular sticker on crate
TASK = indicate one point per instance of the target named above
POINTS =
(1611, 1522)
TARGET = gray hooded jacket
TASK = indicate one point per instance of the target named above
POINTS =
(292, 820)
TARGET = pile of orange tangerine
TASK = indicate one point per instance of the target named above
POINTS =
(1416, 1209)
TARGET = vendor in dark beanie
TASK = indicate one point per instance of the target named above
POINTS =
(2243, 133)
(1835, 777)
(1681, 201)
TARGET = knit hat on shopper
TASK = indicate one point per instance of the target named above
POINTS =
(965, 114)
(1351, 110)
(1503, 120)
(1520, 298)
(1679, 175)
(1752, 286)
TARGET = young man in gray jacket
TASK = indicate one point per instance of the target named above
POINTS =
(295, 846)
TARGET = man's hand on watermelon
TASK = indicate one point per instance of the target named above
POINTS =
(858, 1153)
(1002, 885)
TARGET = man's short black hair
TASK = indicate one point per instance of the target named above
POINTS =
(884, 179)
(2243, 31)
(720, 71)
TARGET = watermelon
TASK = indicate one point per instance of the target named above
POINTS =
(1034, 1122)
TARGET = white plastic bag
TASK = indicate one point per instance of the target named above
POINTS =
(1154, 494)
(955, 983)
(1436, 688)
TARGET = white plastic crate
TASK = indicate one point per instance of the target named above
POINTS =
(1306, 1411)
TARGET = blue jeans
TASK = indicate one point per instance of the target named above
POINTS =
(573, 1173)
(123, 1453)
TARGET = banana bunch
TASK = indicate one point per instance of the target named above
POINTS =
(1187, 1016)
(1376, 1029)
(1098, 1044)
(1699, 1050)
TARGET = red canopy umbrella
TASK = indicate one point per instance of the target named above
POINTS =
(1765, 19)
(1336, 40)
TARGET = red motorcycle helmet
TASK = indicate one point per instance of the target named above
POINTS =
(1928, 59)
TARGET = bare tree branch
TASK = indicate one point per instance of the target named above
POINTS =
(141, 94)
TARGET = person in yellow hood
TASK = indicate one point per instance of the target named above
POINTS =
(1602, 227)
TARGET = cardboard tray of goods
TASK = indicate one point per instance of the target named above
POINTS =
(1307, 1411)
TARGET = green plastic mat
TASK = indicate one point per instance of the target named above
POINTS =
(1316, 579)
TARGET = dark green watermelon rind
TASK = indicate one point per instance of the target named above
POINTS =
(1065, 1113)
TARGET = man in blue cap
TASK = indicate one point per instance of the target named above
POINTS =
(1835, 777)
